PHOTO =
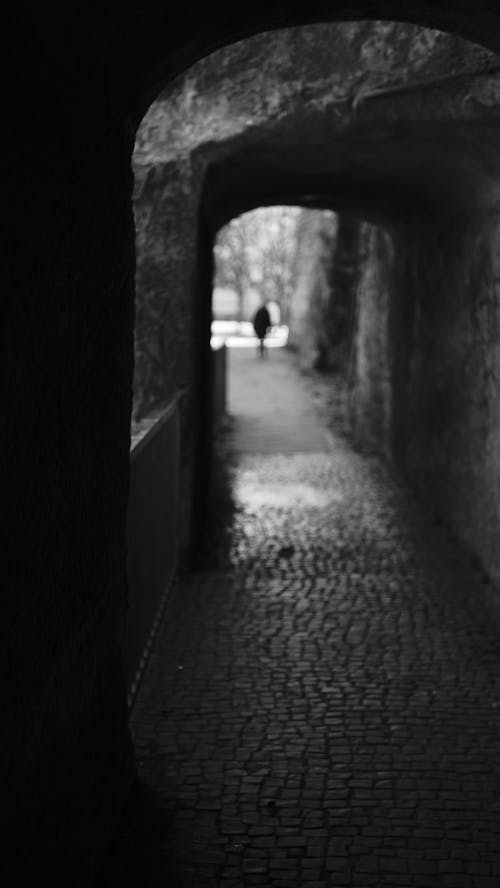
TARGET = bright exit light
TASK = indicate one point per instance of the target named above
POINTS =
(240, 334)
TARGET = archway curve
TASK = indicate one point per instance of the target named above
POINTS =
(379, 181)
(385, 160)
(169, 48)
(455, 176)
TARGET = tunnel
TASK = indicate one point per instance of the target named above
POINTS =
(413, 158)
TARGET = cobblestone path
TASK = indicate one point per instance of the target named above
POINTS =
(323, 705)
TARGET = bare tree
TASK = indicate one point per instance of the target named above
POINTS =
(255, 252)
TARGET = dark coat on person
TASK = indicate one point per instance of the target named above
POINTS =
(261, 321)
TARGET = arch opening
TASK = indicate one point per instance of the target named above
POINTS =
(385, 123)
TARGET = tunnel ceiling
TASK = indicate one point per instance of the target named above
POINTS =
(381, 119)
(143, 47)
(377, 176)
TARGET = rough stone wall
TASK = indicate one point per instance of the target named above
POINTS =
(427, 366)
(166, 332)
(454, 381)
(370, 370)
(165, 205)
(310, 297)
(340, 318)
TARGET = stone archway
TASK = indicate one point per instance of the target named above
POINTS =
(77, 85)
(394, 123)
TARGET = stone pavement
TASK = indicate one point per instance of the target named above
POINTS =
(323, 704)
(274, 415)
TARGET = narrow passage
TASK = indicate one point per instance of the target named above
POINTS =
(323, 706)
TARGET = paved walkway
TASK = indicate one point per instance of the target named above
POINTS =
(274, 415)
(323, 707)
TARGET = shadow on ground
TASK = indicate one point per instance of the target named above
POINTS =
(135, 854)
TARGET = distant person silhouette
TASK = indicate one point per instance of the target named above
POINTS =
(261, 324)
